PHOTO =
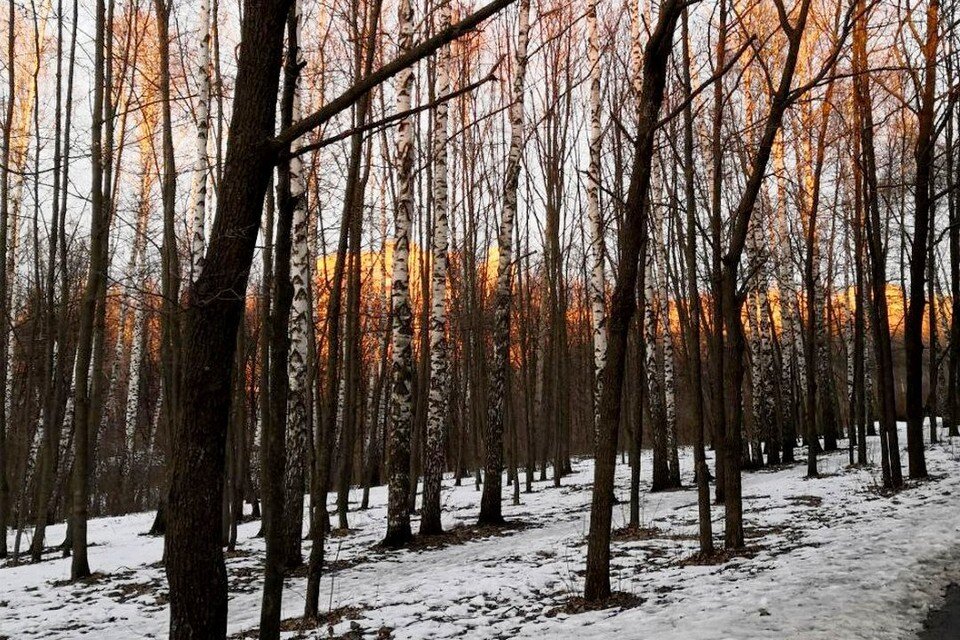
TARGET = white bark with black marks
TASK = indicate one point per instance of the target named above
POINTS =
(198, 197)
(490, 503)
(299, 396)
(597, 297)
(439, 381)
(401, 366)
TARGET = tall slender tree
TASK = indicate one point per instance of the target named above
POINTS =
(439, 359)
(623, 302)
(913, 326)
(401, 370)
(490, 501)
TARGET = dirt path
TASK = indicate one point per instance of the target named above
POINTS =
(944, 623)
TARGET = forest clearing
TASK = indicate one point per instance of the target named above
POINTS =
(825, 559)
(480, 318)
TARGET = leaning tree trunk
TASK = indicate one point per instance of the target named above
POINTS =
(731, 300)
(195, 565)
(623, 302)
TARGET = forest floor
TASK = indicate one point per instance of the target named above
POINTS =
(829, 558)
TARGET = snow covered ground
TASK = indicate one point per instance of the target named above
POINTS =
(826, 558)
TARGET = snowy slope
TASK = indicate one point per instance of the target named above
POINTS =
(827, 558)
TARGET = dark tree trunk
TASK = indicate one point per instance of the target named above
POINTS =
(4, 310)
(693, 293)
(719, 422)
(282, 545)
(913, 326)
(91, 314)
(731, 300)
(890, 449)
(170, 277)
(214, 305)
(623, 302)
(952, 413)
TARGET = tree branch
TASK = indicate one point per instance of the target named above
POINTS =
(282, 142)
(383, 122)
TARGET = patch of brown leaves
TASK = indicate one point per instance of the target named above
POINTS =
(632, 534)
(619, 600)
(462, 533)
(721, 556)
(302, 625)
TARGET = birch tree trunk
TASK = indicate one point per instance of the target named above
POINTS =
(597, 284)
(401, 370)
(299, 395)
(197, 214)
(654, 372)
(786, 297)
(669, 391)
(490, 501)
(439, 376)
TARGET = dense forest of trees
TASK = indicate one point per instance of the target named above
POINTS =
(255, 253)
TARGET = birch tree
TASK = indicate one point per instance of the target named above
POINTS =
(299, 396)
(439, 378)
(197, 214)
(401, 369)
(597, 278)
(490, 501)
